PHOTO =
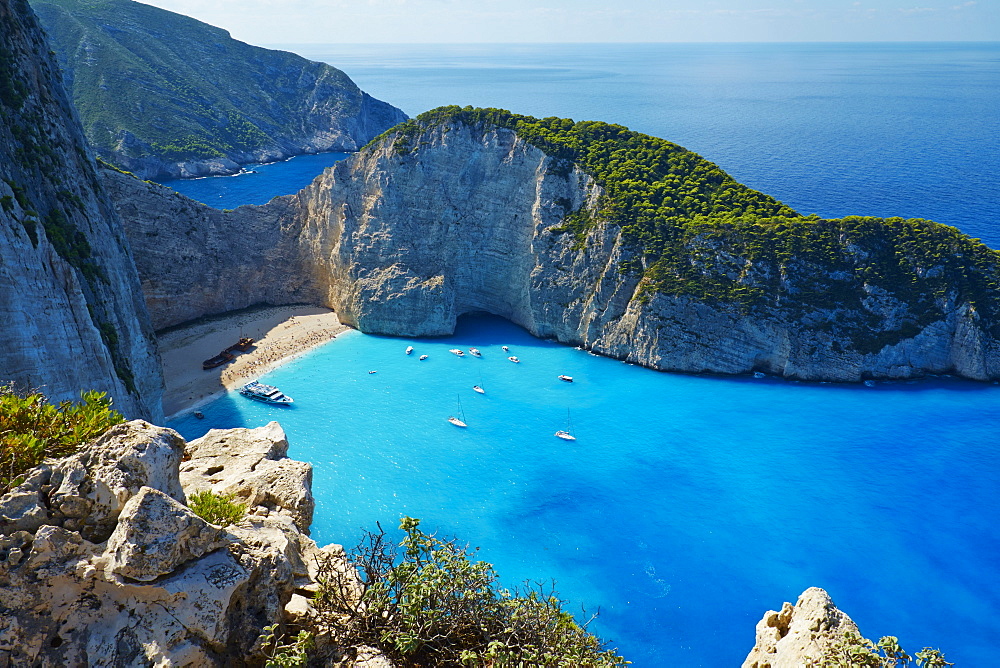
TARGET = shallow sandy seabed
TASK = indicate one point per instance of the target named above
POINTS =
(281, 333)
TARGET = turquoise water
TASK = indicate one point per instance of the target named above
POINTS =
(257, 184)
(688, 505)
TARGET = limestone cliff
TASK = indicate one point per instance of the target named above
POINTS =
(164, 95)
(72, 315)
(452, 216)
(103, 564)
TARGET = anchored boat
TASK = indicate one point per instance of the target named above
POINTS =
(269, 394)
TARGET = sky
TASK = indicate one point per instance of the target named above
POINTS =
(470, 21)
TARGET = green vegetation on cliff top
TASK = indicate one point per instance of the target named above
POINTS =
(694, 231)
(149, 82)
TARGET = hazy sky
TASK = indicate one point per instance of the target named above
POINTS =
(339, 21)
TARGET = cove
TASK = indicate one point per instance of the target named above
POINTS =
(688, 505)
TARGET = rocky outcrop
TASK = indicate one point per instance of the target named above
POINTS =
(166, 96)
(72, 315)
(416, 230)
(807, 630)
(103, 564)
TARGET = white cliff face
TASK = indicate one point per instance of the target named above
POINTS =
(461, 219)
(72, 316)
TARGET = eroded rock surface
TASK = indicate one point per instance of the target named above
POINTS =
(102, 563)
(807, 630)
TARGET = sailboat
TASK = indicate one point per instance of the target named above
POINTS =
(479, 388)
(454, 420)
(565, 434)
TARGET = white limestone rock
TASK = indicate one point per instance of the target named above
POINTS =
(252, 465)
(806, 630)
(156, 534)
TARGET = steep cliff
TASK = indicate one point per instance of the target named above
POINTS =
(164, 95)
(72, 315)
(594, 236)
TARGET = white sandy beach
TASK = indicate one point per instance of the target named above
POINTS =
(280, 332)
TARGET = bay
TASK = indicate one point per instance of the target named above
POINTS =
(688, 505)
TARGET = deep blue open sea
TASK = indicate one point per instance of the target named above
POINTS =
(688, 505)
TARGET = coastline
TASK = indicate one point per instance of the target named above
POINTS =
(281, 333)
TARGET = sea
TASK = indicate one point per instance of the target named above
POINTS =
(688, 505)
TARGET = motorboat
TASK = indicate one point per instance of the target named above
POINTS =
(505, 349)
(514, 359)
(373, 371)
(568, 379)
(269, 394)
(409, 350)
(456, 351)
(475, 351)
(476, 388)
(423, 357)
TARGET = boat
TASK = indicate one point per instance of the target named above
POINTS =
(269, 394)
(456, 421)
(456, 351)
(218, 360)
(565, 434)
(475, 351)
(478, 389)
(568, 379)
(373, 371)
(505, 349)
(514, 359)
(423, 357)
(409, 350)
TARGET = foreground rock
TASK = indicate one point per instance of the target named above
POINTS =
(102, 563)
(807, 630)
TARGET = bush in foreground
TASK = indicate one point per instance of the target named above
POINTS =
(32, 429)
(434, 606)
(857, 652)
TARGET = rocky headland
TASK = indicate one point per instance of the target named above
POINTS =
(480, 210)
(165, 96)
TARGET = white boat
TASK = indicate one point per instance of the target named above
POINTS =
(568, 379)
(269, 394)
(514, 359)
(475, 351)
(565, 434)
(476, 388)
(456, 351)
(409, 350)
(505, 349)
(456, 421)
(423, 357)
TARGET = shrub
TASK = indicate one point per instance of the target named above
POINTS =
(218, 509)
(435, 606)
(285, 655)
(857, 652)
(31, 429)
